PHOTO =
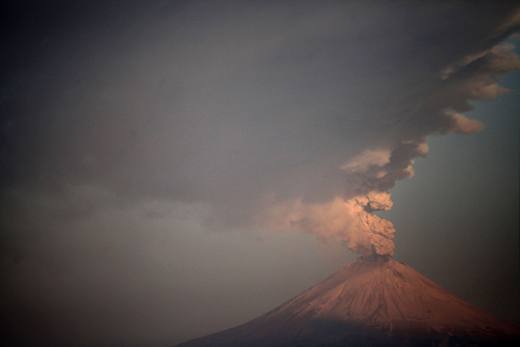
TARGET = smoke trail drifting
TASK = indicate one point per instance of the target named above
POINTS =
(373, 172)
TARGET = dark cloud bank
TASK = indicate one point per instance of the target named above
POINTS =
(214, 116)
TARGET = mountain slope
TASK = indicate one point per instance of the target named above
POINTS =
(373, 301)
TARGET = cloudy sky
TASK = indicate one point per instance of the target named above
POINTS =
(174, 168)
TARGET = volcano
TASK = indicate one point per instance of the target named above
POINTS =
(374, 301)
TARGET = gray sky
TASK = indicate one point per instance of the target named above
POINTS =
(172, 169)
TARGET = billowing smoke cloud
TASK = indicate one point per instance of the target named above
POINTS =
(372, 172)
(351, 221)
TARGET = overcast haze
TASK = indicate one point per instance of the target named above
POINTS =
(174, 168)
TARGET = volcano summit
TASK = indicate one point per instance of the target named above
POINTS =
(374, 301)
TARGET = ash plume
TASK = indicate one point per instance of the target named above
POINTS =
(371, 173)
(351, 221)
